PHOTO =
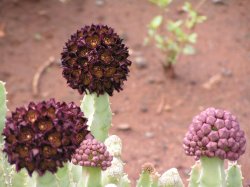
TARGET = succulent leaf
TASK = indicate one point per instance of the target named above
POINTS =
(212, 172)
(171, 178)
(233, 175)
(99, 114)
(94, 177)
(47, 180)
(195, 175)
(145, 179)
(3, 107)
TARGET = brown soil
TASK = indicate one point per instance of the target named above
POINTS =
(157, 109)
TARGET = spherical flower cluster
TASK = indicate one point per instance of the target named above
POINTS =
(215, 133)
(44, 135)
(92, 153)
(95, 60)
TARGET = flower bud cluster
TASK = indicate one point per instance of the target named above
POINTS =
(92, 153)
(215, 133)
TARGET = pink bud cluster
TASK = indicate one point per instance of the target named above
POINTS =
(92, 153)
(215, 133)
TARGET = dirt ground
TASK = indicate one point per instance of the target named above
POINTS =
(154, 110)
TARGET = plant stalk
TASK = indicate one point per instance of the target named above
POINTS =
(94, 177)
(212, 172)
(97, 110)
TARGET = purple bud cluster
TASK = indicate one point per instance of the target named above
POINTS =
(215, 133)
(92, 153)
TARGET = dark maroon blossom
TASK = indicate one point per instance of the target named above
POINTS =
(95, 60)
(92, 153)
(44, 135)
(215, 133)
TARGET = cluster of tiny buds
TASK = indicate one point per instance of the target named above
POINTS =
(148, 168)
(215, 132)
(92, 153)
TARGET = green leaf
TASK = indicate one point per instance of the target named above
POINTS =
(201, 19)
(151, 32)
(192, 38)
(187, 7)
(159, 39)
(188, 50)
(156, 22)
(161, 3)
(173, 25)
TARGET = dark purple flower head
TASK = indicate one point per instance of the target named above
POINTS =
(215, 133)
(95, 60)
(44, 135)
(92, 153)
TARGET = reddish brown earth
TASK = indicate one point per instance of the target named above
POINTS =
(36, 29)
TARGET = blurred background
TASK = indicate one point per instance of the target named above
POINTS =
(153, 112)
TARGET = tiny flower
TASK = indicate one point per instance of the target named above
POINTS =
(215, 132)
(92, 153)
(148, 168)
(43, 136)
(95, 60)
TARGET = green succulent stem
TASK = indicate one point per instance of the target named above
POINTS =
(125, 182)
(47, 180)
(144, 180)
(212, 172)
(155, 181)
(94, 177)
(3, 108)
(234, 176)
(195, 175)
(75, 173)
(97, 110)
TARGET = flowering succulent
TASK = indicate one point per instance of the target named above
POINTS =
(215, 132)
(92, 153)
(43, 136)
(95, 60)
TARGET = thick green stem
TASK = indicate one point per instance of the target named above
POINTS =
(144, 180)
(234, 176)
(125, 182)
(155, 179)
(212, 172)
(94, 177)
(64, 176)
(75, 174)
(195, 175)
(47, 180)
(20, 179)
(97, 110)
(3, 108)
(6, 171)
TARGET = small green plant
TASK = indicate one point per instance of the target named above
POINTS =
(178, 36)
